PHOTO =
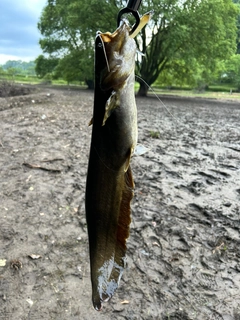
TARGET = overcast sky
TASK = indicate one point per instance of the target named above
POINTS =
(19, 35)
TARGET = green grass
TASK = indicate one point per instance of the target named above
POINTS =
(35, 80)
(225, 91)
(154, 134)
(215, 91)
(222, 88)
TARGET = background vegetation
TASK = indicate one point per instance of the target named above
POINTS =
(190, 44)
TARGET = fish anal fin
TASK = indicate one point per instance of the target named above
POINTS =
(127, 163)
(109, 274)
(124, 219)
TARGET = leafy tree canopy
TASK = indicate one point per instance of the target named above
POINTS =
(45, 65)
(203, 31)
(237, 2)
(20, 67)
(231, 71)
(77, 65)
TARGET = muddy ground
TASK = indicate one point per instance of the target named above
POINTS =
(184, 248)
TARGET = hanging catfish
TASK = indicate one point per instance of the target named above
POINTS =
(109, 188)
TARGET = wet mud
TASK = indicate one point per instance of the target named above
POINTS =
(184, 246)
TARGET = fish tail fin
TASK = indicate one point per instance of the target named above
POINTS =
(107, 285)
(124, 221)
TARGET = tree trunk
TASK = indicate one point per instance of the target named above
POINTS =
(90, 84)
(142, 92)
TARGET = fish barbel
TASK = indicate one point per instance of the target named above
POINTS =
(110, 185)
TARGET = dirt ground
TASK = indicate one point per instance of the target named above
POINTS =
(184, 248)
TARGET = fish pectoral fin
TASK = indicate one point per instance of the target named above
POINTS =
(111, 104)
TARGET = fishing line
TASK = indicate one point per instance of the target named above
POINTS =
(163, 104)
(166, 108)
(104, 50)
(194, 130)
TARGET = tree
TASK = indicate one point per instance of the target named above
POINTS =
(69, 29)
(45, 65)
(12, 71)
(2, 72)
(189, 72)
(201, 31)
(179, 30)
(231, 71)
(22, 67)
(237, 2)
(77, 65)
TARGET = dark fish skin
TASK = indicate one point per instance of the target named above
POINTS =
(110, 185)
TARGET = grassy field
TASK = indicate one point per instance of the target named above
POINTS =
(213, 92)
(193, 93)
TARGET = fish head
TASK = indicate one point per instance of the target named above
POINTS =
(120, 50)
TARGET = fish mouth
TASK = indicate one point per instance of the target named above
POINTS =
(119, 49)
(118, 35)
